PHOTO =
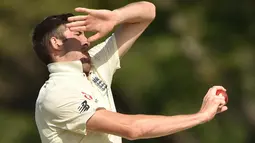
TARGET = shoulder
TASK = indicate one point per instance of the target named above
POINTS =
(62, 97)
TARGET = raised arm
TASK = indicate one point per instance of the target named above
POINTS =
(148, 126)
(131, 20)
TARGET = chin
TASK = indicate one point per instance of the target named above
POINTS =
(86, 67)
(86, 64)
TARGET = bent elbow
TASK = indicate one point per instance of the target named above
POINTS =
(152, 10)
(153, 13)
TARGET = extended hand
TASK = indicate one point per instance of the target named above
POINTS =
(100, 21)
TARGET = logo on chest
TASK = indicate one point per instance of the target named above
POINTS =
(87, 96)
(99, 83)
(84, 106)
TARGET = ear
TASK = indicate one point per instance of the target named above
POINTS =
(56, 43)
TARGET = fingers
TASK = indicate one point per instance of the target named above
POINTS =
(81, 9)
(94, 37)
(85, 10)
(83, 28)
(77, 18)
(215, 88)
(223, 109)
(79, 28)
(213, 102)
(216, 100)
(212, 91)
(221, 101)
(77, 23)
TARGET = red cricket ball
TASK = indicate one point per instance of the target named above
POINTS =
(223, 93)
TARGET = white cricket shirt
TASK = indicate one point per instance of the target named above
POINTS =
(69, 98)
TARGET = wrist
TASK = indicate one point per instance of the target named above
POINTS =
(202, 117)
(117, 17)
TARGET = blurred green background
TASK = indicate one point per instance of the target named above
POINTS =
(191, 46)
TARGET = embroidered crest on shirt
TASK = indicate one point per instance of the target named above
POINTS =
(98, 82)
(84, 106)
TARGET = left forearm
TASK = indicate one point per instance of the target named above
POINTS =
(135, 13)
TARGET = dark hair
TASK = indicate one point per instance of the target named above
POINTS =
(46, 29)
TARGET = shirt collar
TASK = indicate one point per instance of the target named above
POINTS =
(70, 67)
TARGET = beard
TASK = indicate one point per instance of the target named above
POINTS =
(86, 64)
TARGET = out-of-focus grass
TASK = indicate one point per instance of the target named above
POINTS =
(17, 127)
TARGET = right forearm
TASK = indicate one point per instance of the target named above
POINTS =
(157, 126)
(148, 126)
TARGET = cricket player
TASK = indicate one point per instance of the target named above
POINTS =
(75, 105)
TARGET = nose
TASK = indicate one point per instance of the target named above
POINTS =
(84, 41)
(87, 43)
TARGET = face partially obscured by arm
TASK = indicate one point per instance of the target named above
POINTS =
(131, 20)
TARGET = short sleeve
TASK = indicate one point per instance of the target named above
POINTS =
(71, 110)
(106, 55)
